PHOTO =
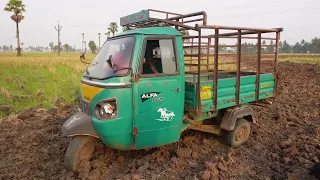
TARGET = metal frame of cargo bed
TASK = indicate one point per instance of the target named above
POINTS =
(182, 22)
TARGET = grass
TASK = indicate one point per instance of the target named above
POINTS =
(301, 58)
(38, 79)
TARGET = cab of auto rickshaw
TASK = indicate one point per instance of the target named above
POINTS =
(132, 94)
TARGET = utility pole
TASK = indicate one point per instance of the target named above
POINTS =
(99, 41)
(82, 41)
(59, 43)
(85, 46)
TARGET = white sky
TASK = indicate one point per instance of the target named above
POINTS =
(300, 19)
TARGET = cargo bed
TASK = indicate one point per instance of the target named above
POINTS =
(226, 91)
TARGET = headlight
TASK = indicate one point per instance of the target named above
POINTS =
(106, 109)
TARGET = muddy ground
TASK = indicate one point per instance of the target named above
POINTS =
(282, 146)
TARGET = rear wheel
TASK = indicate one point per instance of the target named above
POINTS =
(80, 149)
(240, 134)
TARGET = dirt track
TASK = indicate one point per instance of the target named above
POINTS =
(282, 145)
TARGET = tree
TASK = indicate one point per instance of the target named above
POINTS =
(263, 49)
(286, 48)
(11, 48)
(185, 33)
(51, 46)
(107, 34)
(296, 48)
(270, 49)
(56, 48)
(17, 8)
(0, 48)
(5, 48)
(280, 46)
(66, 47)
(113, 28)
(315, 43)
(92, 46)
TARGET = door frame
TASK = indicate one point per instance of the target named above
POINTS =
(176, 56)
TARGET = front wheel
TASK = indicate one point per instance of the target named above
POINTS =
(240, 134)
(80, 149)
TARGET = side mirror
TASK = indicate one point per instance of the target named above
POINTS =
(83, 57)
(110, 62)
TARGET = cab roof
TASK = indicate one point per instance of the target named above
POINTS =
(152, 31)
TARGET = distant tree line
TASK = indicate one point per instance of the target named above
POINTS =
(301, 47)
(54, 48)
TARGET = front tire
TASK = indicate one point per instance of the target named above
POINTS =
(80, 149)
(240, 134)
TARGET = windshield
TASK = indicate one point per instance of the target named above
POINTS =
(121, 50)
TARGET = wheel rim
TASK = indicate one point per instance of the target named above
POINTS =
(242, 134)
(86, 151)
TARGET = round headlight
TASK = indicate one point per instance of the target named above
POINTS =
(106, 110)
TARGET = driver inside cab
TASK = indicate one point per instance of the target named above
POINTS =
(152, 62)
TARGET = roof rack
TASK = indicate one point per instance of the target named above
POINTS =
(143, 19)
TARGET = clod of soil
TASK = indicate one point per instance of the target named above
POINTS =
(283, 144)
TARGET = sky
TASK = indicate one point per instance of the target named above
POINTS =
(300, 19)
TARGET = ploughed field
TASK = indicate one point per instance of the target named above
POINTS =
(282, 146)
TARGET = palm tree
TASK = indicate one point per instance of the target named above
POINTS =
(107, 34)
(113, 28)
(17, 8)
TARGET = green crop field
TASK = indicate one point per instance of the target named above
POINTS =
(39, 79)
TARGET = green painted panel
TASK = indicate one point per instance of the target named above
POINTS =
(158, 137)
(116, 131)
(227, 89)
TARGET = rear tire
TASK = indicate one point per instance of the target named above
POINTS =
(240, 134)
(80, 149)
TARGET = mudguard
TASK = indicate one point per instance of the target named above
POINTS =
(79, 124)
(231, 115)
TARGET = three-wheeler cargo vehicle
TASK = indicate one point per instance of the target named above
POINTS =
(152, 82)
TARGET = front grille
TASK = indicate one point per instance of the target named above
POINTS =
(85, 107)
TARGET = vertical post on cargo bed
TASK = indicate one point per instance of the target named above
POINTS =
(215, 78)
(238, 68)
(258, 67)
(192, 44)
(199, 66)
(276, 65)
(208, 53)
